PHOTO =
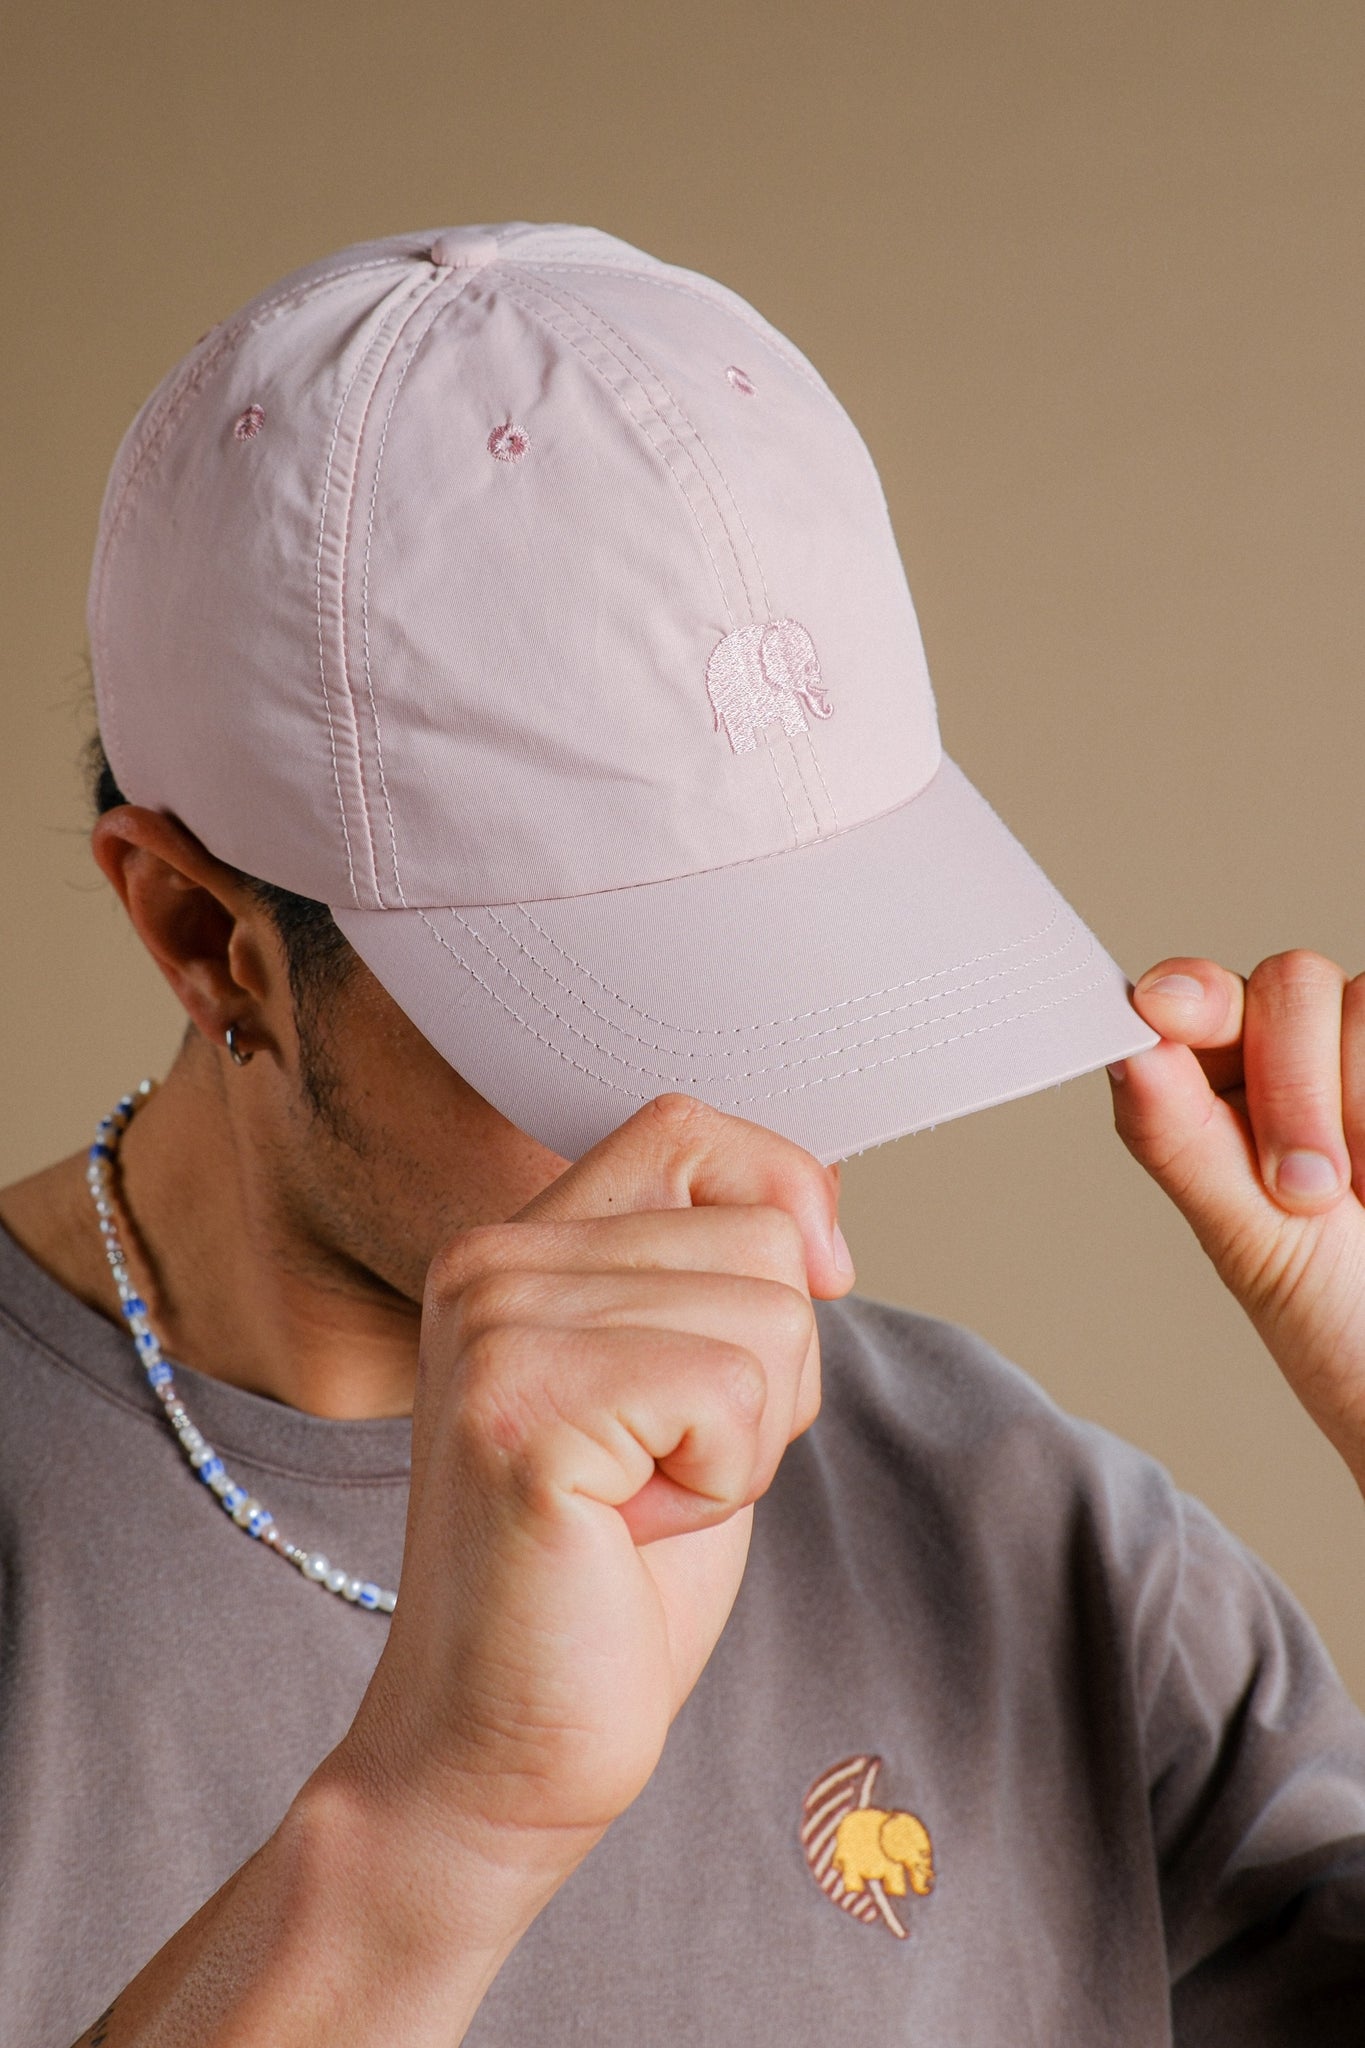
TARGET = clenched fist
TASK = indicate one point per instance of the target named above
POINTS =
(607, 1383)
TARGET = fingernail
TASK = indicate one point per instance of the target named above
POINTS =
(843, 1258)
(1307, 1173)
(1182, 988)
(1119, 1070)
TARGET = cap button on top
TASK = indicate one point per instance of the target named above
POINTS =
(463, 249)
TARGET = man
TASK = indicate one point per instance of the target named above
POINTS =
(521, 764)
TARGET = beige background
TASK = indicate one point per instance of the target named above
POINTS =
(1089, 279)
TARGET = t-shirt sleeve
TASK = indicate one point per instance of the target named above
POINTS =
(1256, 1757)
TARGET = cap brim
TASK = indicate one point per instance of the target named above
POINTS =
(843, 993)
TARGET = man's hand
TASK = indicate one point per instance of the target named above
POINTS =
(1251, 1116)
(607, 1383)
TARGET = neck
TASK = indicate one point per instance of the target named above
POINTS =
(246, 1284)
(281, 1233)
(240, 1282)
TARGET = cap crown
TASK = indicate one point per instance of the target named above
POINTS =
(502, 565)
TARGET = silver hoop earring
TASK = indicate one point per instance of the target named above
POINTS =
(239, 1058)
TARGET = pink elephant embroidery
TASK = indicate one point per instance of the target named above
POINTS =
(759, 673)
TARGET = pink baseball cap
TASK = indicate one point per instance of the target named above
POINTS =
(534, 604)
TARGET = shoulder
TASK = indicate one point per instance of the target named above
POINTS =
(964, 1460)
(921, 1388)
(943, 1453)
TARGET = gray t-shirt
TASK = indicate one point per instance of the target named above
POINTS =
(1006, 1742)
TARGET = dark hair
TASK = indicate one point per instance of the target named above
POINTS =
(319, 955)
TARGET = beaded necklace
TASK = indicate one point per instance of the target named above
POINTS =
(246, 1511)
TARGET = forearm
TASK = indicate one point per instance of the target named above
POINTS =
(339, 1928)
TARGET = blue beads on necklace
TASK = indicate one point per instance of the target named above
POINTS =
(246, 1511)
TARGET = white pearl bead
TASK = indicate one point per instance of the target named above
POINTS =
(350, 1588)
(316, 1566)
(219, 1483)
(336, 1579)
(387, 1602)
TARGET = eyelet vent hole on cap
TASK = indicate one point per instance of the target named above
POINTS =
(508, 443)
(741, 380)
(248, 424)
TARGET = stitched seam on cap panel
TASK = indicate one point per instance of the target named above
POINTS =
(558, 1051)
(814, 753)
(793, 1088)
(773, 741)
(780, 1066)
(692, 427)
(200, 366)
(421, 295)
(925, 1023)
(659, 450)
(649, 370)
(662, 452)
(936, 1045)
(943, 762)
(432, 316)
(799, 1038)
(785, 351)
(680, 443)
(796, 829)
(322, 646)
(158, 426)
(871, 995)
(343, 562)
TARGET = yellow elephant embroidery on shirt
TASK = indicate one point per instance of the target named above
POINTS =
(873, 1846)
(860, 1854)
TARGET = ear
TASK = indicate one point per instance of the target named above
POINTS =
(205, 930)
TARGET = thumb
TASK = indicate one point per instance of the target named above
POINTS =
(678, 1152)
(1199, 1149)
